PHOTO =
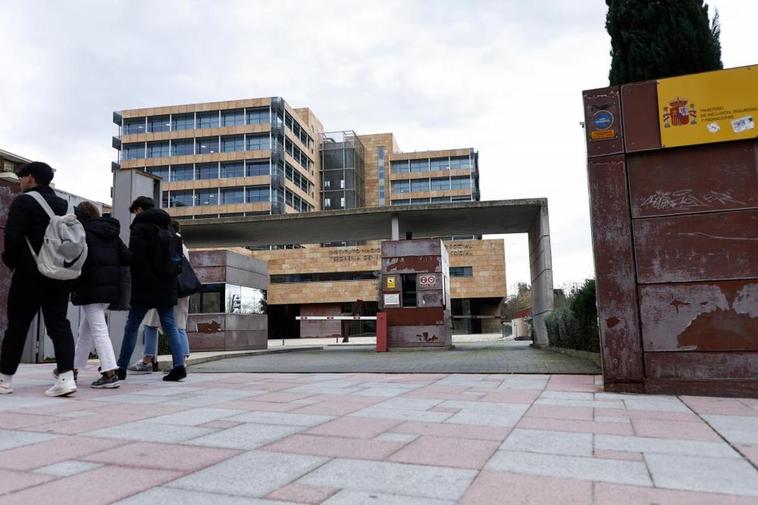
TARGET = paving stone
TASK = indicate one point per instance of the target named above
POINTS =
(170, 496)
(736, 429)
(67, 468)
(670, 404)
(312, 495)
(572, 467)
(10, 439)
(576, 426)
(281, 418)
(335, 447)
(486, 413)
(119, 482)
(254, 474)
(145, 431)
(162, 456)
(367, 498)
(397, 437)
(603, 404)
(408, 404)
(245, 436)
(681, 430)
(663, 446)
(720, 406)
(11, 481)
(392, 478)
(561, 395)
(195, 417)
(608, 494)
(14, 420)
(354, 427)
(447, 451)
(527, 490)
(497, 433)
(716, 475)
(549, 442)
(402, 414)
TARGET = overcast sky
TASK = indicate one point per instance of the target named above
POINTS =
(502, 76)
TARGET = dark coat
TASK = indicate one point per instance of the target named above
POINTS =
(103, 275)
(148, 288)
(27, 219)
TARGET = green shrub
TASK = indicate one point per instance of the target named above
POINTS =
(574, 326)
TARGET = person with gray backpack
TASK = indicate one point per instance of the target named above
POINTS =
(46, 247)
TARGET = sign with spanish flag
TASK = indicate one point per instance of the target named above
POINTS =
(709, 107)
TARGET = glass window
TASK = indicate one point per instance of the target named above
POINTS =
(210, 300)
(257, 194)
(206, 196)
(182, 173)
(441, 199)
(465, 198)
(439, 164)
(400, 167)
(207, 171)
(401, 186)
(134, 126)
(207, 145)
(256, 142)
(441, 184)
(400, 202)
(133, 151)
(461, 271)
(253, 300)
(181, 198)
(161, 172)
(233, 169)
(182, 147)
(257, 116)
(183, 122)
(257, 168)
(460, 162)
(233, 143)
(460, 183)
(157, 149)
(207, 119)
(232, 195)
(419, 166)
(417, 201)
(158, 124)
(419, 185)
(232, 117)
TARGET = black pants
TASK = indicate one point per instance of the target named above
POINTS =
(29, 292)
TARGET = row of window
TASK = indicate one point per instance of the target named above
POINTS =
(215, 196)
(380, 171)
(441, 199)
(435, 184)
(297, 178)
(431, 164)
(199, 120)
(188, 147)
(296, 202)
(299, 156)
(298, 130)
(203, 171)
(325, 277)
(229, 299)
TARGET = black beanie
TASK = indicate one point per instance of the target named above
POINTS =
(41, 172)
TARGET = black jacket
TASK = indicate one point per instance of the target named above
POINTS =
(27, 219)
(103, 277)
(148, 288)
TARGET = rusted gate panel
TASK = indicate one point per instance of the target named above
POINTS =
(698, 247)
(640, 118)
(607, 136)
(701, 365)
(714, 316)
(614, 267)
(694, 180)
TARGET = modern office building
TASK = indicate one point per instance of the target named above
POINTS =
(262, 156)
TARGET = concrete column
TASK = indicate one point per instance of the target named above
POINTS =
(127, 186)
(541, 268)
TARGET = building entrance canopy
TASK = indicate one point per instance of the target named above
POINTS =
(387, 223)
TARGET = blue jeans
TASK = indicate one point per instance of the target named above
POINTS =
(133, 322)
(151, 341)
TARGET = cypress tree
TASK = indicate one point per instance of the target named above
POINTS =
(653, 39)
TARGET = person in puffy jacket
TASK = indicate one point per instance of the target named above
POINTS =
(102, 284)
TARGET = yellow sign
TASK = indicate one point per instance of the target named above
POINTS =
(391, 283)
(708, 107)
(603, 134)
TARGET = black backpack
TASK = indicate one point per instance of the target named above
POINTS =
(167, 253)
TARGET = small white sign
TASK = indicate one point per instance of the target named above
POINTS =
(392, 299)
(427, 281)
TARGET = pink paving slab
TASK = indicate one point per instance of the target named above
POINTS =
(561, 412)
(527, 489)
(53, 451)
(336, 447)
(301, 493)
(182, 458)
(354, 427)
(468, 431)
(13, 481)
(447, 451)
(576, 426)
(613, 494)
(679, 430)
(719, 406)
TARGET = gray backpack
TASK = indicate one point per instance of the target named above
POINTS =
(64, 245)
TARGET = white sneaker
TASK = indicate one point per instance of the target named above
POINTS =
(5, 384)
(64, 385)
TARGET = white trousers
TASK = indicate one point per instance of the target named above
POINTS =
(93, 332)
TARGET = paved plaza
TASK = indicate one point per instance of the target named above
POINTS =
(469, 356)
(354, 439)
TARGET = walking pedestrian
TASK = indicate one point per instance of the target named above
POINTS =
(100, 286)
(28, 255)
(155, 266)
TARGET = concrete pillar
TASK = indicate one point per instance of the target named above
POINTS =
(128, 185)
(541, 269)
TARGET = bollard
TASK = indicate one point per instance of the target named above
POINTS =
(381, 332)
